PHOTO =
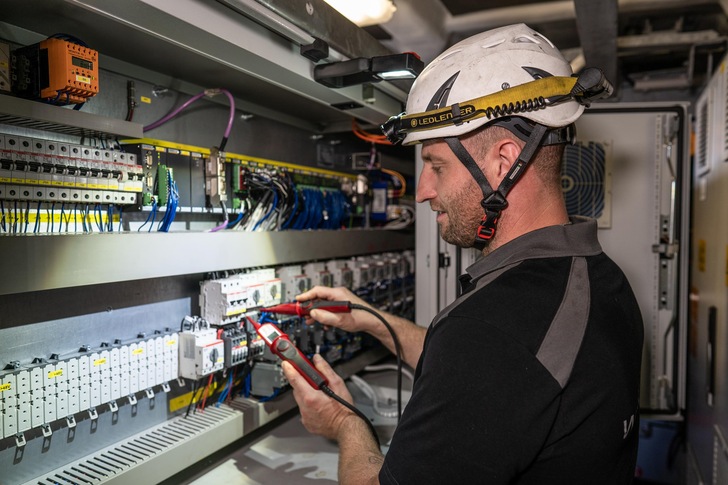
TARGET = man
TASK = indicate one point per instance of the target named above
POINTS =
(532, 375)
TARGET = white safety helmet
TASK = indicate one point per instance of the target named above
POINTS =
(484, 64)
(513, 77)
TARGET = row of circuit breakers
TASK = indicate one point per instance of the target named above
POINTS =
(50, 171)
(55, 389)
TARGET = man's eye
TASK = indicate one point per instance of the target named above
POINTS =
(437, 170)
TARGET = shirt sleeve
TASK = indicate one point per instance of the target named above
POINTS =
(480, 412)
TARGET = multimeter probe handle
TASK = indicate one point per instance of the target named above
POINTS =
(303, 309)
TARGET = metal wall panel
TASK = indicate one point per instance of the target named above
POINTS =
(708, 347)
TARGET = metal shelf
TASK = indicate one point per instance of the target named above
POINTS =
(206, 43)
(46, 262)
(41, 116)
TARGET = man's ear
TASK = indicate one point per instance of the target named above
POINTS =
(508, 151)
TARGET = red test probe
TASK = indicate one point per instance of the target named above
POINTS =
(303, 309)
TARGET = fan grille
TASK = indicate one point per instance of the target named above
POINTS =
(584, 177)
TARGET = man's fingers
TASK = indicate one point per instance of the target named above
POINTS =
(325, 318)
(317, 292)
(292, 375)
(306, 295)
(325, 369)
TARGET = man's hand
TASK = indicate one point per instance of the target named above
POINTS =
(320, 414)
(411, 337)
(362, 322)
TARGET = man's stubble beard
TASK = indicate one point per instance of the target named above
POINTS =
(462, 226)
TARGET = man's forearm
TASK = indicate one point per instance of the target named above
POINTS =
(359, 457)
(410, 336)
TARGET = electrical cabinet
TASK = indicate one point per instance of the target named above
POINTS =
(90, 322)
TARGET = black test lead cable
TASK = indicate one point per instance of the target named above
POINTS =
(398, 352)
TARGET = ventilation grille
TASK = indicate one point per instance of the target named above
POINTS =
(701, 155)
(41, 116)
(141, 449)
(585, 180)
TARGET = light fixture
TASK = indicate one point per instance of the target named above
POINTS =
(365, 12)
(368, 70)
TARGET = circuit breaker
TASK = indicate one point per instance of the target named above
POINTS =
(201, 353)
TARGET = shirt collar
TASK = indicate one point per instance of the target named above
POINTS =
(579, 238)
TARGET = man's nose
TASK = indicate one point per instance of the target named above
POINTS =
(425, 186)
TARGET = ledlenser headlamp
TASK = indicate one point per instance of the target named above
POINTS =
(589, 85)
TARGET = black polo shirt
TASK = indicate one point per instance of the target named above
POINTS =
(532, 376)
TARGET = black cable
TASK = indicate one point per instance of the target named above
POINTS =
(194, 391)
(327, 390)
(130, 100)
(397, 348)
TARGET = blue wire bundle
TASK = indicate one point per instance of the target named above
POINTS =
(172, 202)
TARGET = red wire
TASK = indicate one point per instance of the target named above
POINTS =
(204, 397)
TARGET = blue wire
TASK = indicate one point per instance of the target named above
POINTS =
(52, 216)
(224, 394)
(2, 220)
(60, 224)
(302, 220)
(246, 388)
(36, 227)
(121, 209)
(318, 212)
(152, 216)
(110, 216)
(231, 224)
(89, 226)
(172, 201)
(100, 220)
(27, 219)
(268, 398)
(295, 208)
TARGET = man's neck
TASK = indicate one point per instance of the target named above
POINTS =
(515, 223)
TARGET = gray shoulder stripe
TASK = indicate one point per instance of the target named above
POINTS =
(562, 341)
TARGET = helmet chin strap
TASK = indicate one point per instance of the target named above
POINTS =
(494, 201)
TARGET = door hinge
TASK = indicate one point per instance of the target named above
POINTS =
(443, 260)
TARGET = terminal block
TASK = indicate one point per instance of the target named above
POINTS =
(46, 390)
